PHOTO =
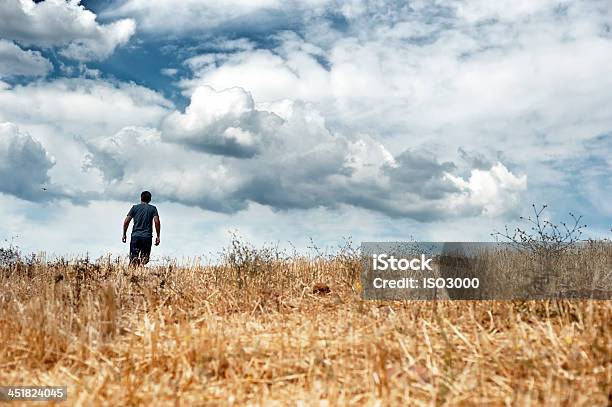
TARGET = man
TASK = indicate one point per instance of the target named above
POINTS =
(144, 216)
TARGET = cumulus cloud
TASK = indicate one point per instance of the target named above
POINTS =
(136, 158)
(460, 72)
(495, 192)
(64, 24)
(15, 61)
(24, 166)
(300, 164)
(101, 45)
(224, 123)
(61, 113)
(266, 74)
(525, 87)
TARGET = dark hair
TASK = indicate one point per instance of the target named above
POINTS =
(145, 196)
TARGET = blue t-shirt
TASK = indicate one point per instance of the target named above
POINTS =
(143, 215)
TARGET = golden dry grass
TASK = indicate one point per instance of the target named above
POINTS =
(195, 335)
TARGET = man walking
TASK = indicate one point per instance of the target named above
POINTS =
(144, 216)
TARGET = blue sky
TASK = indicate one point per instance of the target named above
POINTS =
(287, 120)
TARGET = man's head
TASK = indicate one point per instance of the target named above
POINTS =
(145, 196)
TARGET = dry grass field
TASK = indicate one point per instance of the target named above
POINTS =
(264, 330)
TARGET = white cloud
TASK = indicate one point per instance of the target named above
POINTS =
(65, 24)
(268, 75)
(224, 122)
(225, 153)
(136, 158)
(399, 76)
(24, 165)
(110, 36)
(83, 107)
(496, 191)
(299, 164)
(15, 61)
(61, 113)
(197, 15)
(482, 10)
(530, 83)
(169, 71)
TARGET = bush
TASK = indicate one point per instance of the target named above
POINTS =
(544, 242)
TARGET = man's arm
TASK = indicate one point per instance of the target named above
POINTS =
(126, 224)
(157, 228)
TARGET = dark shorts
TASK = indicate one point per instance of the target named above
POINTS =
(140, 249)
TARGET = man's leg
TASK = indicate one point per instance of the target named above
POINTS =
(134, 251)
(145, 250)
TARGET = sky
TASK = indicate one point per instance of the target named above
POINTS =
(286, 121)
